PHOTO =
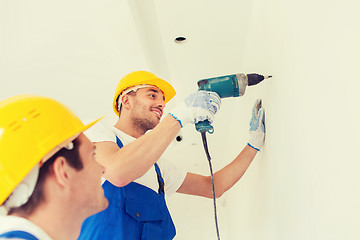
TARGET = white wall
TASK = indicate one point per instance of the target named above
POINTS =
(303, 184)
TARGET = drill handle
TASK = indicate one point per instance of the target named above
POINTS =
(204, 126)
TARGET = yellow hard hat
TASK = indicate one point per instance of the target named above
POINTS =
(139, 78)
(30, 128)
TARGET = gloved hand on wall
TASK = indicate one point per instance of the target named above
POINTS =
(198, 106)
(257, 126)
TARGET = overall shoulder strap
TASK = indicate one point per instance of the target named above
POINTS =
(119, 143)
(160, 180)
(18, 234)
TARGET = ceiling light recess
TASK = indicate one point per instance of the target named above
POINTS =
(180, 39)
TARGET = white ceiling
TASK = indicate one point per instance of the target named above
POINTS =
(76, 51)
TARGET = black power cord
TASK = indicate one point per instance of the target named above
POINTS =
(203, 136)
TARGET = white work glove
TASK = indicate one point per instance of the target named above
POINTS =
(257, 126)
(198, 106)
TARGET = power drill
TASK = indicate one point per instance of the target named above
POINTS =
(227, 86)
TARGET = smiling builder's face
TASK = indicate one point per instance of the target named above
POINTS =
(147, 107)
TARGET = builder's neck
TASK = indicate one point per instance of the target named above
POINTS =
(127, 126)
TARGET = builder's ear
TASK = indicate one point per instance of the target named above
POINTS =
(62, 171)
(126, 101)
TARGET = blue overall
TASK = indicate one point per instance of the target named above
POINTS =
(18, 235)
(135, 212)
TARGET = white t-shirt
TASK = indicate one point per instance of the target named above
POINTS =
(172, 176)
(13, 223)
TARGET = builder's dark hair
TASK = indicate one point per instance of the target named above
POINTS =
(72, 158)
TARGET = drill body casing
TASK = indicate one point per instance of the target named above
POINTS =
(226, 86)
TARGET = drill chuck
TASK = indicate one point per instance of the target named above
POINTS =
(254, 78)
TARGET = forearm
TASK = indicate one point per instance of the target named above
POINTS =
(225, 178)
(135, 159)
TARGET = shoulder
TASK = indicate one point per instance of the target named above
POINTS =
(12, 223)
(106, 147)
(100, 132)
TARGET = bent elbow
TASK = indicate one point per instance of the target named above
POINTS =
(211, 194)
(218, 194)
(219, 189)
